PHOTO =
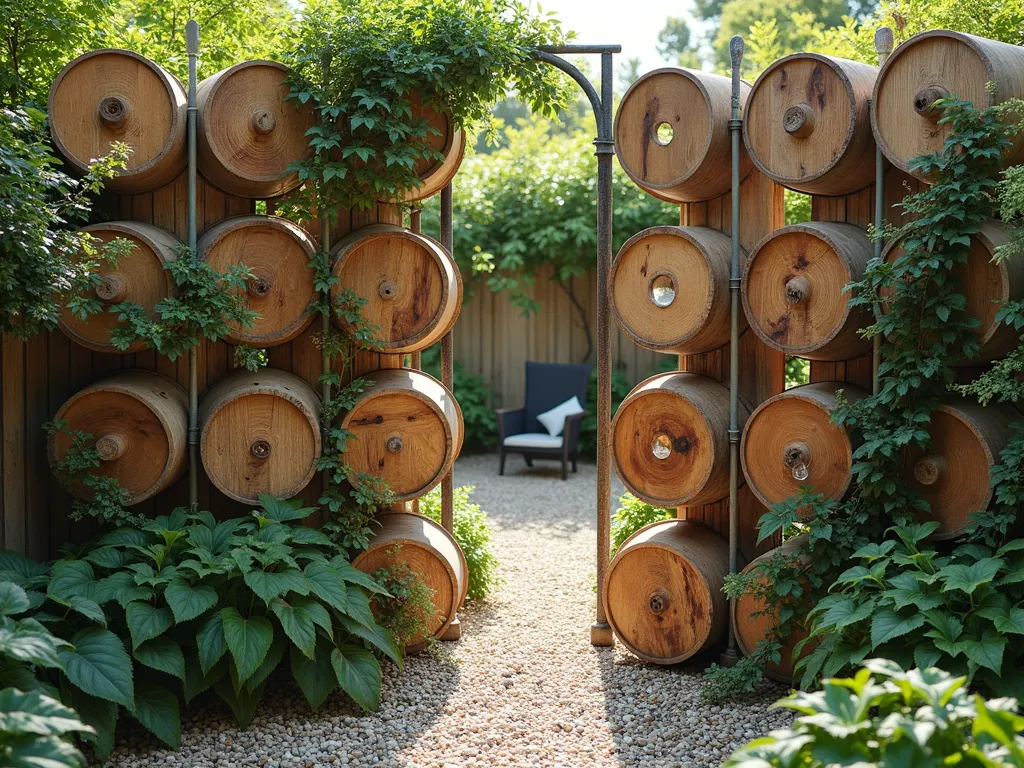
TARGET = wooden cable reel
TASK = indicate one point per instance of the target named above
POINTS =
(278, 253)
(954, 475)
(111, 95)
(139, 277)
(806, 124)
(789, 442)
(407, 431)
(986, 284)
(751, 629)
(426, 549)
(793, 290)
(670, 289)
(448, 139)
(260, 434)
(672, 134)
(669, 440)
(663, 591)
(139, 421)
(411, 283)
(935, 65)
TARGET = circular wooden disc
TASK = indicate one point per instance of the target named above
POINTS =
(248, 133)
(797, 421)
(153, 124)
(670, 289)
(669, 440)
(278, 253)
(663, 593)
(449, 140)
(671, 134)
(411, 283)
(949, 60)
(145, 415)
(141, 277)
(806, 124)
(825, 258)
(414, 409)
(428, 550)
(260, 434)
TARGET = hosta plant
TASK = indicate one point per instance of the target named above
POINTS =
(883, 716)
(188, 604)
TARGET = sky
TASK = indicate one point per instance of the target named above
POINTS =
(633, 24)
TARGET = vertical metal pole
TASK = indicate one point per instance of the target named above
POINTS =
(192, 48)
(735, 127)
(416, 358)
(447, 361)
(600, 632)
(883, 47)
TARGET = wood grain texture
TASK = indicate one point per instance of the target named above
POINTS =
(663, 591)
(429, 551)
(446, 138)
(113, 95)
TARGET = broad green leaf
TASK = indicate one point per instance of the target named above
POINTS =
(121, 587)
(243, 704)
(124, 537)
(195, 681)
(297, 622)
(887, 625)
(37, 713)
(353, 575)
(926, 655)
(43, 752)
(146, 622)
(247, 639)
(268, 585)
(358, 675)
(986, 653)
(377, 636)
(100, 714)
(162, 654)
(211, 643)
(359, 607)
(270, 662)
(13, 599)
(843, 611)
(309, 537)
(100, 666)
(283, 511)
(109, 558)
(316, 678)
(1012, 622)
(30, 642)
(187, 601)
(968, 578)
(83, 605)
(1001, 726)
(326, 582)
(71, 577)
(22, 571)
(157, 709)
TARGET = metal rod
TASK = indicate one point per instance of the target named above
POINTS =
(416, 358)
(735, 127)
(192, 48)
(883, 47)
(573, 48)
(447, 363)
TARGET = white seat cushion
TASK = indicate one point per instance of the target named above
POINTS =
(554, 420)
(533, 440)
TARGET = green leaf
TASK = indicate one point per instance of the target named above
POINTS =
(268, 585)
(37, 713)
(359, 607)
(353, 575)
(100, 714)
(968, 578)
(247, 639)
(146, 622)
(283, 511)
(327, 583)
(162, 654)
(13, 599)
(986, 653)
(299, 620)
(43, 752)
(270, 662)
(377, 636)
(195, 681)
(243, 703)
(187, 601)
(157, 709)
(309, 537)
(30, 642)
(887, 625)
(1012, 622)
(83, 605)
(71, 577)
(211, 643)
(99, 666)
(358, 675)
(121, 587)
(315, 678)
(109, 558)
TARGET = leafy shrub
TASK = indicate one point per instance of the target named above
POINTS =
(473, 535)
(476, 399)
(632, 515)
(201, 605)
(407, 609)
(887, 717)
(34, 725)
(588, 427)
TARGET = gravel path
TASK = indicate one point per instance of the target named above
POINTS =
(528, 690)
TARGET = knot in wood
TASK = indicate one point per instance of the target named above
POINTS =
(657, 603)
(111, 289)
(796, 455)
(259, 287)
(924, 101)
(114, 111)
(388, 290)
(393, 444)
(260, 449)
(263, 121)
(111, 447)
(929, 469)
(798, 290)
(798, 120)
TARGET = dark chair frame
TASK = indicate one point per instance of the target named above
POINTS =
(514, 421)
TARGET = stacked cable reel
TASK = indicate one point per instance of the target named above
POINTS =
(258, 432)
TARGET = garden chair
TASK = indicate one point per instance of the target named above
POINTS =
(548, 424)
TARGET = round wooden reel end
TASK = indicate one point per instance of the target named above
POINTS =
(806, 124)
(672, 134)
(426, 549)
(248, 134)
(669, 440)
(260, 434)
(407, 431)
(412, 285)
(793, 290)
(446, 138)
(139, 277)
(789, 442)
(139, 421)
(278, 253)
(670, 289)
(663, 591)
(112, 95)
